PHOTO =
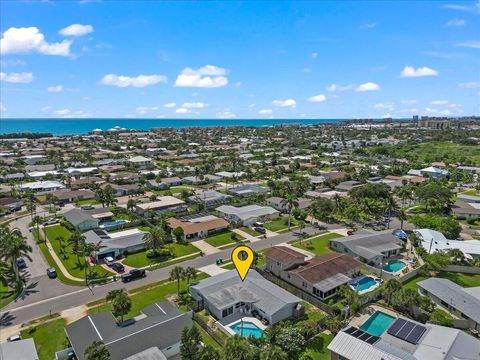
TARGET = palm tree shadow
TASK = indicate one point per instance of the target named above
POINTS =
(6, 319)
(27, 290)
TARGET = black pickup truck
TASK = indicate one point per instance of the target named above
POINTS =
(133, 274)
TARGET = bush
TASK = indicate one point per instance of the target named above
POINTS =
(440, 317)
(472, 221)
(156, 253)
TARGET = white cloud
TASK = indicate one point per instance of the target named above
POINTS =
(209, 76)
(314, 55)
(135, 81)
(265, 112)
(455, 23)
(194, 105)
(473, 44)
(17, 77)
(170, 105)
(469, 85)
(336, 87)
(385, 106)
(62, 112)
(25, 40)
(410, 71)
(317, 98)
(368, 86)
(76, 30)
(285, 103)
(55, 89)
(225, 115)
(434, 111)
(368, 25)
(439, 102)
(142, 110)
(182, 111)
(238, 84)
(471, 9)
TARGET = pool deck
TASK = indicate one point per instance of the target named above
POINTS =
(365, 314)
(228, 330)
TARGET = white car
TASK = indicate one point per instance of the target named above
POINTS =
(109, 260)
(51, 222)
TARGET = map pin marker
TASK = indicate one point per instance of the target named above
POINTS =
(242, 257)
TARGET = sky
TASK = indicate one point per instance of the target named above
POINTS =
(250, 59)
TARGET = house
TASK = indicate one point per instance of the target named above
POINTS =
(19, 350)
(80, 220)
(68, 196)
(348, 185)
(40, 175)
(465, 209)
(84, 182)
(125, 189)
(470, 169)
(164, 183)
(469, 198)
(162, 204)
(279, 204)
(11, 203)
(320, 276)
(33, 159)
(433, 241)
(209, 198)
(83, 170)
(195, 180)
(434, 173)
(199, 225)
(140, 162)
(116, 243)
(227, 175)
(404, 339)
(247, 215)
(226, 294)
(464, 303)
(42, 186)
(160, 327)
(370, 249)
(248, 190)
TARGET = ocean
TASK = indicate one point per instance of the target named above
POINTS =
(83, 126)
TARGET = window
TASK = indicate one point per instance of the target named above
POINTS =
(304, 284)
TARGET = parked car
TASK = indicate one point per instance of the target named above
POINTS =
(51, 222)
(87, 207)
(109, 261)
(21, 264)
(119, 268)
(258, 224)
(133, 275)
(14, 338)
(52, 273)
(350, 232)
(261, 230)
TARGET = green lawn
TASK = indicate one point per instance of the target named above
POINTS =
(49, 338)
(86, 202)
(465, 280)
(148, 297)
(140, 259)
(222, 239)
(7, 295)
(472, 193)
(318, 244)
(317, 347)
(250, 231)
(69, 259)
(281, 224)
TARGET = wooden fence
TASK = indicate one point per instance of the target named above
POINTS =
(212, 332)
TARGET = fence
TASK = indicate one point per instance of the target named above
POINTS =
(296, 291)
(462, 269)
(208, 329)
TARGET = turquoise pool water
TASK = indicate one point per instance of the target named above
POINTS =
(377, 323)
(247, 329)
(110, 224)
(394, 266)
(363, 284)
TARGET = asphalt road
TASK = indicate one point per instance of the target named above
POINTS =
(44, 295)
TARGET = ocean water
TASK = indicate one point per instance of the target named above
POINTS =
(83, 126)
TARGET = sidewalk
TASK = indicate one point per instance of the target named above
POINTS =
(246, 235)
(205, 247)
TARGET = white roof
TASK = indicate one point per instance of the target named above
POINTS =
(42, 173)
(439, 242)
(139, 159)
(80, 170)
(42, 185)
(247, 212)
(161, 202)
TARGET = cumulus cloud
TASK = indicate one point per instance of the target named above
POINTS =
(76, 30)
(17, 77)
(209, 76)
(473, 44)
(170, 105)
(135, 81)
(55, 88)
(285, 103)
(455, 23)
(410, 71)
(439, 102)
(225, 115)
(266, 112)
(67, 113)
(182, 111)
(336, 87)
(368, 86)
(194, 105)
(469, 85)
(29, 39)
(385, 106)
(142, 110)
(317, 98)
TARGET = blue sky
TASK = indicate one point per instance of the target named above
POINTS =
(239, 59)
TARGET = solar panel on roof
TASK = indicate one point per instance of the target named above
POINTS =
(350, 330)
(396, 326)
(364, 336)
(372, 340)
(405, 330)
(416, 334)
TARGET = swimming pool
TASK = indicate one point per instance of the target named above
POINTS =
(247, 329)
(377, 323)
(364, 284)
(111, 224)
(394, 266)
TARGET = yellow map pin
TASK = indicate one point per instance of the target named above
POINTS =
(242, 257)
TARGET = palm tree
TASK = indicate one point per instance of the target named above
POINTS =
(155, 238)
(404, 193)
(97, 351)
(31, 208)
(77, 240)
(273, 352)
(190, 274)
(131, 204)
(177, 274)
(291, 201)
(391, 287)
(334, 324)
(96, 247)
(60, 240)
(14, 245)
(112, 294)
(402, 216)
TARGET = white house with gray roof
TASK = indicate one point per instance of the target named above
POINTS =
(247, 215)
(226, 295)
(117, 243)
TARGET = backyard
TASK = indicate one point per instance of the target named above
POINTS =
(465, 280)
(139, 259)
(318, 244)
(69, 259)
